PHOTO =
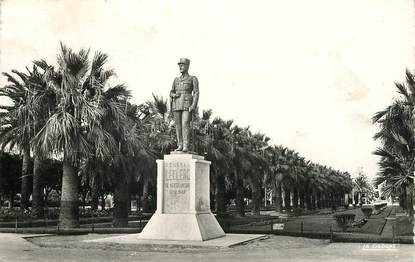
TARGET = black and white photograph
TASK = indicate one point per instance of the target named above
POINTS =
(191, 130)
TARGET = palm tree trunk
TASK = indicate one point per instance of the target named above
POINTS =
(103, 202)
(314, 202)
(220, 195)
(411, 213)
(325, 201)
(256, 197)
(83, 196)
(240, 203)
(26, 177)
(69, 210)
(278, 197)
(331, 200)
(295, 198)
(302, 199)
(409, 202)
(46, 199)
(94, 198)
(321, 199)
(287, 199)
(129, 202)
(120, 211)
(37, 195)
(146, 206)
(308, 201)
(12, 200)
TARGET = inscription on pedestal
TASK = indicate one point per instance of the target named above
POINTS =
(183, 204)
(176, 186)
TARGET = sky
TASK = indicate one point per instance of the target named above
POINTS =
(310, 74)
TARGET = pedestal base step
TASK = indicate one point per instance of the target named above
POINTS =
(196, 227)
(229, 240)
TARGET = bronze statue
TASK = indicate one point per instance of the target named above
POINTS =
(184, 97)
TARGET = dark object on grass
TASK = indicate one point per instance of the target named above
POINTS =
(344, 220)
(359, 223)
(367, 211)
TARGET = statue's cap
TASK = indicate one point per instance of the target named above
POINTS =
(184, 61)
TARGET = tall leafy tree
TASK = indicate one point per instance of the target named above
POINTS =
(397, 135)
(219, 151)
(16, 127)
(75, 129)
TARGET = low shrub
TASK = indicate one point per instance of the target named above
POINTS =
(10, 214)
(95, 213)
(367, 211)
(344, 220)
(52, 213)
(297, 212)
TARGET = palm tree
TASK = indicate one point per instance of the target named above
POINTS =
(391, 170)
(290, 178)
(240, 164)
(157, 134)
(397, 134)
(37, 102)
(136, 159)
(278, 169)
(315, 187)
(16, 126)
(75, 130)
(42, 101)
(258, 145)
(304, 181)
(218, 150)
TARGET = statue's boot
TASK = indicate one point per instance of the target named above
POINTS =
(179, 148)
(186, 137)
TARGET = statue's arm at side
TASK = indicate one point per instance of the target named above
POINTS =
(173, 90)
(195, 92)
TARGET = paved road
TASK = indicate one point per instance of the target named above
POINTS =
(277, 248)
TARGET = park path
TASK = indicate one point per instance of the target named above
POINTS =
(277, 248)
(12, 244)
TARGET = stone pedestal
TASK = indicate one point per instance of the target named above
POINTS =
(183, 201)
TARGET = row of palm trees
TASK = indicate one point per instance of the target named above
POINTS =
(244, 160)
(72, 113)
(396, 132)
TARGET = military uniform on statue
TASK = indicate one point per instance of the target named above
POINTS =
(184, 98)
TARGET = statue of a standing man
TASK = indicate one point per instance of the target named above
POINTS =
(184, 97)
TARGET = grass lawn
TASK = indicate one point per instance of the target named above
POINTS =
(321, 225)
(404, 227)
